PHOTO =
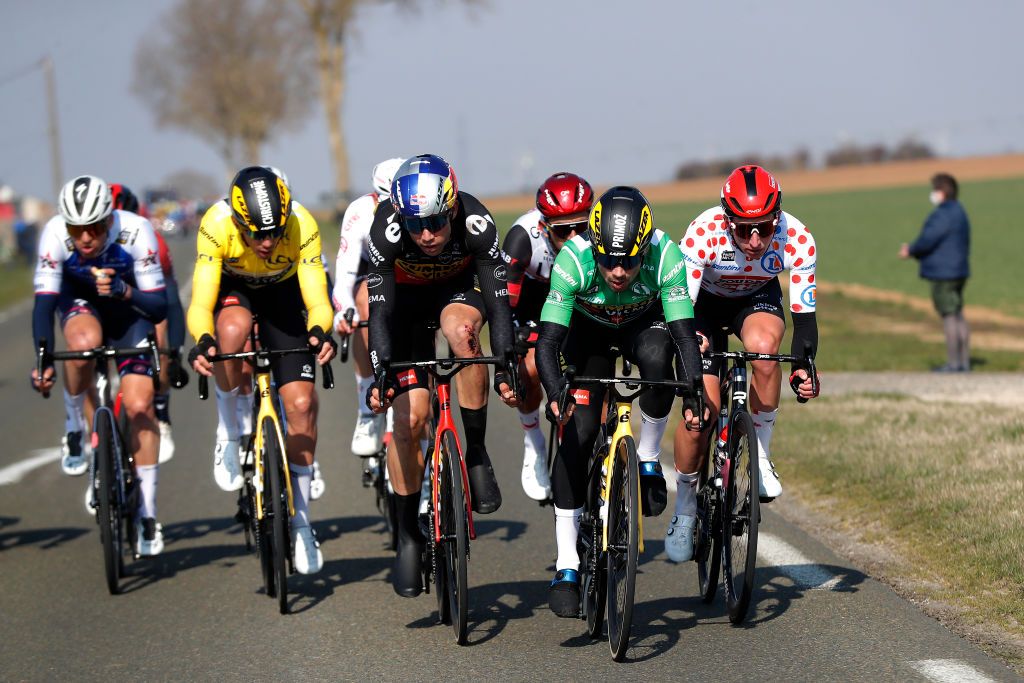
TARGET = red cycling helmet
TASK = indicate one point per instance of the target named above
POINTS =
(751, 192)
(564, 194)
(123, 198)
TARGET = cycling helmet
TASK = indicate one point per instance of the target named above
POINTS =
(261, 203)
(85, 200)
(621, 227)
(123, 198)
(750, 192)
(424, 193)
(563, 195)
(280, 174)
(384, 175)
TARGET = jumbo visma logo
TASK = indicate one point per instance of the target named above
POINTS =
(643, 231)
(772, 263)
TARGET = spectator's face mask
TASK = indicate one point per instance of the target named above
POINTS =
(936, 197)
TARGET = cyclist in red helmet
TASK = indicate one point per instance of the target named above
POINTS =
(563, 206)
(734, 253)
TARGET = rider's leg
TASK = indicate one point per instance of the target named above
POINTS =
(301, 408)
(762, 333)
(82, 332)
(137, 402)
(368, 433)
(162, 398)
(405, 470)
(233, 324)
(535, 479)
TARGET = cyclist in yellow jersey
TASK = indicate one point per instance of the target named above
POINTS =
(258, 251)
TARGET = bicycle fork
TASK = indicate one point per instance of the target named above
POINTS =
(623, 412)
(445, 424)
(266, 410)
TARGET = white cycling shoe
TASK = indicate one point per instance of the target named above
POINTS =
(149, 537)
(316, 485)
(536, 482)
(367, 437)
(679, 538)
(308, 558)
(227, 471)
(769, 486)
(74, 460)
(166, 442)
(90, 500)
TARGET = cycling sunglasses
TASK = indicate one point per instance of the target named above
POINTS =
(564, 230)
(745, 228)
(417, 224)
(609, 262)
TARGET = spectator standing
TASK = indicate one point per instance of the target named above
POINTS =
(943, 248)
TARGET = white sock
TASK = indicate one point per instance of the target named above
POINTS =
(74, 411)
(652, 429)
(764, 423)
(686, 493)
(362, 386)
(148, 476)
(227, 415)
(244, 412)
(533, 438)
(567, 530)
(302, 476)
(389, 422)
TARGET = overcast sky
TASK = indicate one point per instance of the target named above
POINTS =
(518, 89)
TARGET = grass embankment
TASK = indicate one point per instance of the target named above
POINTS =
(15, 285)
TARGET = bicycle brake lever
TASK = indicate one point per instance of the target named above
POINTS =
(204, 387)
(40, 362)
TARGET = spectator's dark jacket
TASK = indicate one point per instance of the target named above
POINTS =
(944, 243)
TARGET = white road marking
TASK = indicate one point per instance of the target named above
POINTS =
(948, 671)
(13, 473)
(790, 561)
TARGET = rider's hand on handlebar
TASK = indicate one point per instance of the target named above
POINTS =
(373, 401)
(703, 342)
(800, 383)
(323, 345)
(200, 355)
(343, 325)
(49, 379)
(553, 415)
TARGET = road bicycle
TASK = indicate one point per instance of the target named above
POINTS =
(112, 468)
(728, 506)
(265, 501)
(449, 509)
(611, 526)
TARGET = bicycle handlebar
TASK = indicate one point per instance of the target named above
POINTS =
(44, 357)
(805, 362)
(265, 355)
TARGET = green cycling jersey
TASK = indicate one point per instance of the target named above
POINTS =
(576, 284)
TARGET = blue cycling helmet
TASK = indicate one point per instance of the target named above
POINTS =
(424, 193)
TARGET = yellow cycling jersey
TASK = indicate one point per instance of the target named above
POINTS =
(220, 248)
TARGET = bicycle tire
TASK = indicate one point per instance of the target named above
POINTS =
(131, 494)
(707, 542)
(455, 532)
(108, 516)
(623, 544)
(741, 517)
(275, 491)
(594, 587)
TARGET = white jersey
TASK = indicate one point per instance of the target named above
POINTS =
(131, 251)
(542, 255)
(352, 248)
(715, 264)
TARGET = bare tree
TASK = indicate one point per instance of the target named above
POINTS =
(230, 71)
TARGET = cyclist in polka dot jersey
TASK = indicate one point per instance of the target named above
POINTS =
(734, 254)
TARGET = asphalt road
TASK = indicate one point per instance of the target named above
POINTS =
(197, 612)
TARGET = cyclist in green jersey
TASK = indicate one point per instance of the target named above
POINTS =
(622, 285)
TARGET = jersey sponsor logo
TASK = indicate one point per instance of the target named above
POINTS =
(150, 259)
(728, 255)
(374, 280)
(375, 256)
(501, 293)
(258, 279)
(69, 244)
(230, 301)
(407, 378)
(376, 298)
(205, 233)
(581, 396)
(500, 273)
(48, 262)
(506, 258)
(676, 294)
(675, 270)
(127, 237)
(641, 289)
(741, 283)
(616, 315)
(810, 296)
(565, 276)
(309, 240)
(393, 232)
(307, 371)
(592, 289)
(772, 263)
(476, 224)
(419, 272)
(619, 230)
(555, 297)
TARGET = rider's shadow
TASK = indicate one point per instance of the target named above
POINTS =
(510, 529)
(493, 606)
(45, 539)
(331, 529)
(306, 592)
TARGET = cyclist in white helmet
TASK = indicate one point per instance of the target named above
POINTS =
(350, 292)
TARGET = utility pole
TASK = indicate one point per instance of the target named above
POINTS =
(53, 131)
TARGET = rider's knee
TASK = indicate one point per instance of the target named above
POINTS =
(82, 339)
(232, 332)
(301, 403)
(464, 339)
(761, 343)
(137, 403)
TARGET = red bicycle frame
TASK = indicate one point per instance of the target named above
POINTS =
(446, 424)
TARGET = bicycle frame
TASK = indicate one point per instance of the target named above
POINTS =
(619, 415)
(445, 423)
(266, 410)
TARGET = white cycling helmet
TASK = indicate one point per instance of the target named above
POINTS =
(383, 175)
(280, 174)
(85, 200)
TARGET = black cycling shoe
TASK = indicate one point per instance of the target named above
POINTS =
(407, 572)
(482, 485)
(564, 593)
(653, 493)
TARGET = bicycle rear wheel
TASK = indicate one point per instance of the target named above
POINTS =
(108, 516)
(741, 516)
(707, 545)
(455, 536)
(275, 502)
(623, 544)
(594, 587)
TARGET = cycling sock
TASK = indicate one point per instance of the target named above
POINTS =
(302, 476)
(475, 422)
(407, 513)
(362, 386)
(162, 405)
(533, 437)
(764, 423)
(148, 475)
(244, 412)
(567, 531)
(652, 430)
(227, 415)
(74, 407)
(389, 421)
(686, 493)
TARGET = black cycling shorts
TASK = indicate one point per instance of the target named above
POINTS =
(281, 315)
(716, 317)
(415, 307)
(123, 327)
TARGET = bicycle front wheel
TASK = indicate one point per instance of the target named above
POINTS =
(108, 516)
(594, 587)
(623, 544)
(455, 536)
(741, 516)
(275, 509)
(707, 545)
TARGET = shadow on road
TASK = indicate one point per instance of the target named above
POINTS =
(511, 529)
(44, 538)
(775, 590)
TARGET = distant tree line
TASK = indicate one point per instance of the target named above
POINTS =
(847, 154)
